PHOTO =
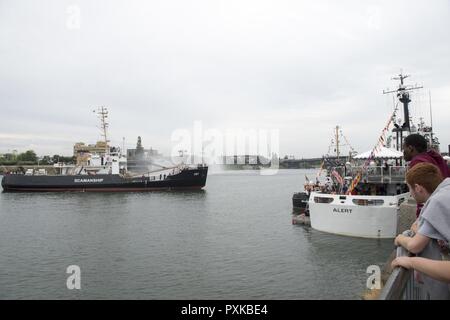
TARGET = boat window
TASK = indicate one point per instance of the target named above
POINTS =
(368, 202)
(323, 200)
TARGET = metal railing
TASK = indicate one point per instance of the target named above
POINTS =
(390, 174)
(401, 284)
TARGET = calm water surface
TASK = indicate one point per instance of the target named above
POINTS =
(234, 240)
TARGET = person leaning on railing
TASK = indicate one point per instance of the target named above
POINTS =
(432, 232)
(439, 270)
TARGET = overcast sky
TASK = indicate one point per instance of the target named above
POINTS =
(301, 67)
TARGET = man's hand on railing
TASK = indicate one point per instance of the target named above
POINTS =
(436, 269)
(404, 262)
(400, 240)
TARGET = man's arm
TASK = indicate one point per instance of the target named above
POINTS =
(415, 226)
(414, 245)
(439, 270)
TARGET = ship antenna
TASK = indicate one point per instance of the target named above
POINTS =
(404, 98)
(337, 141)
(431, 119)
(102, 113)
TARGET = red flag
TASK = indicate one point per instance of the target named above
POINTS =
(338, 177)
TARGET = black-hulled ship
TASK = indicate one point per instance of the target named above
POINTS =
(106, 172)
(187, 178)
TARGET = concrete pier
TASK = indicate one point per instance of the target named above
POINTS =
(407, 215)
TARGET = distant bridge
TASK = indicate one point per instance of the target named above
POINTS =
(249, 161)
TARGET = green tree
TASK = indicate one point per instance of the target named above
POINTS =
(68, 160)
(8, 159)
(46, 160)
(28, 156)
(55, 158)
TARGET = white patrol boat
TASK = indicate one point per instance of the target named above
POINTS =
(363, 200)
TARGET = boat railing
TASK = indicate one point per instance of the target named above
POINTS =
(401, 284)
(376, 174)
(397, 174)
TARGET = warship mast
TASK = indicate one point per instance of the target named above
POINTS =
(404, 97)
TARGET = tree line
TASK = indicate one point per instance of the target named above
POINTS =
(29, 157)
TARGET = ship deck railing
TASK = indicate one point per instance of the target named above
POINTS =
(401, 284)
(375, 174)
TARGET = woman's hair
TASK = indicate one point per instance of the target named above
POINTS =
(426, 175)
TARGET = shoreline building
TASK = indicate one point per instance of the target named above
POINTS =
(83, 152)
(140, 159)
(80, 148)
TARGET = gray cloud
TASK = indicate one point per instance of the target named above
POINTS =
(299, 66)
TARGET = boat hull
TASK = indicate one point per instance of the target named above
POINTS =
(356, 216)
(189, 179)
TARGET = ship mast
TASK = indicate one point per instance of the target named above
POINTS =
(404, 98)
(431, 120)
(337, 142)
(102, 113)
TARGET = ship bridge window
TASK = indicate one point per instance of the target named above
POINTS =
(368, 202)
(323, 200)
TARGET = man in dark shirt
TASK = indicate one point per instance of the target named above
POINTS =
(415, 151)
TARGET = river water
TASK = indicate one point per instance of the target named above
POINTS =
(234, 240)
